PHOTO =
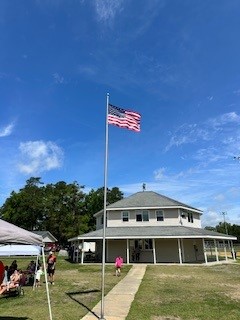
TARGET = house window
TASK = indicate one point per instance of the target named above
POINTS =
(190, 217)
(159, 215)
(125, 216)
(142, 216)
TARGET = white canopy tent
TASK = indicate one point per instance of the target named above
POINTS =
(11, 234)
(19, 250)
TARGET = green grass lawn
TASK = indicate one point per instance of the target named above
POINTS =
(186, 292)
(77, 288)
(167, 292)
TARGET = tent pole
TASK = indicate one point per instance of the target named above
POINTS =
(34, 282)
(46, 281)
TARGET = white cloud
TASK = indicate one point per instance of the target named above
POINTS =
(223, 129)
(188, 133)
(159, 173)
(39, 156)
(87, 70)
(210, 98)
(6, 131)
(211, 218)
(107, 9)
(58, 79)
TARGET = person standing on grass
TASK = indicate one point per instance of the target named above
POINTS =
(38, 274)
(118, 265)
(51, 264)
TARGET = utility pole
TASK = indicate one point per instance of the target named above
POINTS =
(224, 220)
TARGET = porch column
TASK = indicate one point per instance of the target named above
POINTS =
(127, 251)
(179, 251)
(154, 252)
(74, 251)
(204, 251)
(233, 252)
(82, 255)
(183, 252)
(216, 250)
(225, 250)
(77, 250)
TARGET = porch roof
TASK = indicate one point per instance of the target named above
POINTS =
(163, 232)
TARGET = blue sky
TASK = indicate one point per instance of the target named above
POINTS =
(175, 62)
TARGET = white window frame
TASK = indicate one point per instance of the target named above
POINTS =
(141, 215)
(162, 214)
(125, 215)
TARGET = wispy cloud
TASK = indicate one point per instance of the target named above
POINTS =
(39, 156)
(7, 130)
(211, 187)
(58, 79)
(223, 128)
(87, 70)
(107, 9)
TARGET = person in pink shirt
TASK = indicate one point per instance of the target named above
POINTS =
(118, 265)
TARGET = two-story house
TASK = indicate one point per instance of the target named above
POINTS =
(152, 228)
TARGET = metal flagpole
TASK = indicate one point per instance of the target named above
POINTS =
(104, 212)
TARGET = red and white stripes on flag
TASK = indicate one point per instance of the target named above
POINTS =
(124, 118)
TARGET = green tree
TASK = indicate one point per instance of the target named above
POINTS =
(94, 202)
(25, 207)
(61, 208)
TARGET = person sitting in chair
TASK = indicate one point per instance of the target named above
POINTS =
(12, 283)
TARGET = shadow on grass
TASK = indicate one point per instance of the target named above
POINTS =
(71, 296)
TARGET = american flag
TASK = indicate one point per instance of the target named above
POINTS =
(124, 118)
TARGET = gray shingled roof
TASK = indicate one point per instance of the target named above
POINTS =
(153, 232)
(148, 199)
(45, 234)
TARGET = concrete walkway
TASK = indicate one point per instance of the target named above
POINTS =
(118, 301)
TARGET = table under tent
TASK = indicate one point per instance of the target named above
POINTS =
(11, 236)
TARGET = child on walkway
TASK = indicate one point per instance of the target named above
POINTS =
(118, 265)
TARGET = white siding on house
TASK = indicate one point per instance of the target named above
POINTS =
(171, 218)
(196, 220)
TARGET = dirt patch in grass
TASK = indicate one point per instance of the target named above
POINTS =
(233, 291)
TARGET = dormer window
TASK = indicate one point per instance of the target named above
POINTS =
(142, 216)
(159, 215)
(125, 216)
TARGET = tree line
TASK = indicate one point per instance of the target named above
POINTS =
(63, 209)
